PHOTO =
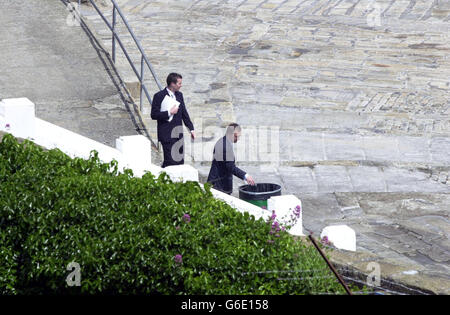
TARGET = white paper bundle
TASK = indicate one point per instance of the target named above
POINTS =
(167, 105)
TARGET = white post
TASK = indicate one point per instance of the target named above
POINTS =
(135, 149)
(342, 236)
(18, 117)
(136, 155)
(285, 207)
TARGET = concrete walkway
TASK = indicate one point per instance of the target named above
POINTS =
(62, 70)
(358, 92)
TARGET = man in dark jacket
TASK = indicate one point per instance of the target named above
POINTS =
(170, 127)
(223, 166)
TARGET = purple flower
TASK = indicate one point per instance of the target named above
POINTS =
(178, 259)
(187, 218)
(270, 241)
(325, 240)
(276, 226)
(273, 216)
(177, 228)
(297, 211)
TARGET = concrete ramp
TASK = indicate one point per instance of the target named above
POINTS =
(55, 63)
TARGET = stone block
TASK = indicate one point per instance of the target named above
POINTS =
(342, 236)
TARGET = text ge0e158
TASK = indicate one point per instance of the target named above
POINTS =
(247, 304)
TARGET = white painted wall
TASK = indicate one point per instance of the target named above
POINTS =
(133, 152)
(182, 173)
(241, 205)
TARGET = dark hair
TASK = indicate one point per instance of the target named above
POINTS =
(173, 78)
(232, 127)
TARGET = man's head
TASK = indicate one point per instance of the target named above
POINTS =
(174, 81)
(233, 132)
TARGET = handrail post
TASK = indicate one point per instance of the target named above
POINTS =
(114, 33)
(142, 82)
(116, 38)
(341, 281)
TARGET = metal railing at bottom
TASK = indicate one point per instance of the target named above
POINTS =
(115, 38)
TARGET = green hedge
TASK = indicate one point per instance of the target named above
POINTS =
(135, 235)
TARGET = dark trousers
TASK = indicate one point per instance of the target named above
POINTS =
(173, 153)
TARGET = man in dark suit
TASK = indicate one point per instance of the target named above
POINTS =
(170, 133)
(223, 166)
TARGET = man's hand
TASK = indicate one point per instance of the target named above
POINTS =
(174, 110)
(250, 180)
(193, 135)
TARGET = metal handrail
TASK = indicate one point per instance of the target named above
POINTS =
(115, 37)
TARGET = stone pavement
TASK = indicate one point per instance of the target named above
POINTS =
(60, 67)
(357, 92)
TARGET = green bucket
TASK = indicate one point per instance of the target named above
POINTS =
(259, 193)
